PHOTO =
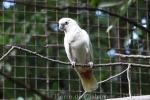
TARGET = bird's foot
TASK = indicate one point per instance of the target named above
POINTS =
(91, 64)
(73, 64)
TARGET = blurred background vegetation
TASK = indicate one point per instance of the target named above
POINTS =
(35, 28)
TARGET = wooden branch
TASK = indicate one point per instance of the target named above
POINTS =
(142, 97)
(83, 65)
(132, 56)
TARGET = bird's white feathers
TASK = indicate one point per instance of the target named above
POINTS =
(77, 38)
(78, 49)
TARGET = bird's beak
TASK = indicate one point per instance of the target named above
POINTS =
(61, 27)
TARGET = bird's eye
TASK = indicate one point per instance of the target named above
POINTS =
(66, 23)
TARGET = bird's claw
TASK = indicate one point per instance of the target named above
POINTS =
(91, 64)
(73, 64)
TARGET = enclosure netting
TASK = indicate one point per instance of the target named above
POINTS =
(31, 24)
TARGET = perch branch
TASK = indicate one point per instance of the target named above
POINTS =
(82, 95)
(68, 63)
(114, 76)
(41, 56)
(10, 50)
(129, 81)
(132, 56)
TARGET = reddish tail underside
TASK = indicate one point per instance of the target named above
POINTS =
(88, 80)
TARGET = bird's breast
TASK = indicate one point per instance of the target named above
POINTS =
(79, 51)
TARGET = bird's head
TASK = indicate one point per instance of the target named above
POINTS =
(66, 23)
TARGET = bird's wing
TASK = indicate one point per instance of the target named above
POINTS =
(68, 50)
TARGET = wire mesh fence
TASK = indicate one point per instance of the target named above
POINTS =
(33, 25)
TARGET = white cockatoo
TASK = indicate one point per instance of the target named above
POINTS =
(79, 50)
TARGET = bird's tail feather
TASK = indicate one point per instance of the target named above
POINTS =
(88, 80)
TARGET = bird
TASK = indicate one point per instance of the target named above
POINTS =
(78, 48)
